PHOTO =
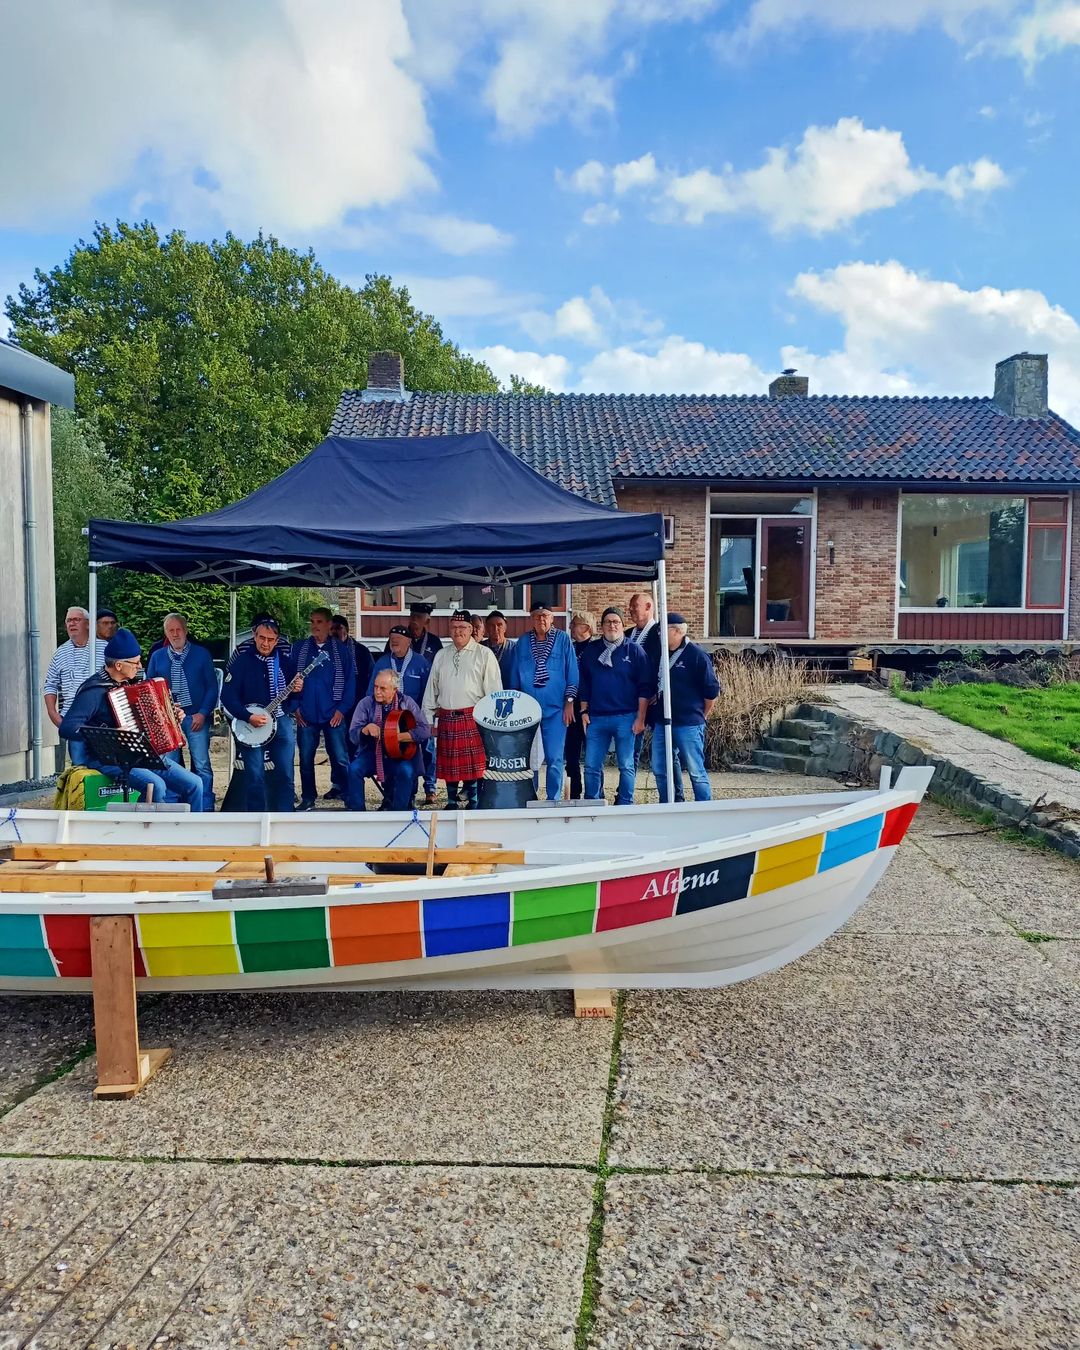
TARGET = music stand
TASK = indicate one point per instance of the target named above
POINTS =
(126, 749)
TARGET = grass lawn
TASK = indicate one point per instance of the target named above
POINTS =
(1044, 722)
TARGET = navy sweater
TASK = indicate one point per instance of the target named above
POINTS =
(248, 681)
(693, 680)
(608, 692)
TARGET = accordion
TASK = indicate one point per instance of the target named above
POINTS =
(148, 707)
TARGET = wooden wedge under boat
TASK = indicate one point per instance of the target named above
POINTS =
(693, 895)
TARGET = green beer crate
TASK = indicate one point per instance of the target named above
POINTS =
(99, 791)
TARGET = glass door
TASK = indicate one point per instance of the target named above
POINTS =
(784, 589)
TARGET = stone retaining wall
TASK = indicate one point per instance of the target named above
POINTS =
(845, 748)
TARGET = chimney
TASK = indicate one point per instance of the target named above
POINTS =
(385, 378)
(789, 385)
(1020, 385)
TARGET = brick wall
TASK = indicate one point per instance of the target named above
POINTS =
(856, 595)
(1074, 571)
(685, 560)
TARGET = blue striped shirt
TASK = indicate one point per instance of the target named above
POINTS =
(69, 668)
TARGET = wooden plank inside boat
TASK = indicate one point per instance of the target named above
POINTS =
(281, 853)
(38, 881)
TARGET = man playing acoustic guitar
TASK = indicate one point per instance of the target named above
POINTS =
(386, 749)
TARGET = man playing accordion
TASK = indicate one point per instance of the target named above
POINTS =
(91, 708)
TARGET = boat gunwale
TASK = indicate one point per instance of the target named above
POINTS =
(514, 878)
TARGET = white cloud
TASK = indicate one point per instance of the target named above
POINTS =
(591, 320)
(590, 177)
(835, 175)
(1050, 27)
(287, 114)
(635, 173)
(467, 297)
(673, 366)
(536, 61)
(956, 17)
(454, 235)
(552, 371)
(600, 213)
(907, 333)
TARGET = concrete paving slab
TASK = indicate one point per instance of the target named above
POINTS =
(917, 896)
(838, 1265)
(417, 1077)
(193, 1255)
(1035, 889)
(1064, 954)
(935, 1056)
(38, 1036)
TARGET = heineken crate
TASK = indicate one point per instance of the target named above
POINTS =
(99, 791)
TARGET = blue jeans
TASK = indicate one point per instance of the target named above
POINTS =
(199, 749)
(602, 730)
(553, 738)
(171, 784)
(307, 738)
(282, 752)
(688, 747)
(399, 786)
(428, 752)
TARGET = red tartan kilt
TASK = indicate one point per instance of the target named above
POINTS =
(459, 751)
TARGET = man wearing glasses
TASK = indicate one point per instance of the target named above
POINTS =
(90, 708)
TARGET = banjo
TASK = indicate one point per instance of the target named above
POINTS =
(246, 734)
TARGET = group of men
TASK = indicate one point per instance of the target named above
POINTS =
(595, 690)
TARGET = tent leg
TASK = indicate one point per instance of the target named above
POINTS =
(232, 621)
(665, 678)
(92, 605)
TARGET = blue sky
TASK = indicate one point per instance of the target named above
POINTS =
(626, 195)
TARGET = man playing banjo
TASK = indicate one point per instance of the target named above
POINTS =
(257, 675)
(377, 754)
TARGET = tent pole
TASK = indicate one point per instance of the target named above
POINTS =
(91, 605)
(232, 621)
(665, 677)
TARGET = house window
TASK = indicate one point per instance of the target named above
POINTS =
(384, 598)
(669, 531)
(986, 552)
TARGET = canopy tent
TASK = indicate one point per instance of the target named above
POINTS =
(398, 511)
(394, 511)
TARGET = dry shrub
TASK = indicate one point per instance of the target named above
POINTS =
(752, 686)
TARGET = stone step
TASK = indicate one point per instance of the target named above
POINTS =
(800, 728)
(785, 745)
(769, 759)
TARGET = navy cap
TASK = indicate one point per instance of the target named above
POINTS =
(461, 616)
(496, 614)
(107, 614)
(122, 646)
(420, 607)
(541, 605)
(400, 630)
(675, 618)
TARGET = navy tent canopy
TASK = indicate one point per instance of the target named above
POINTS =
(394, 511)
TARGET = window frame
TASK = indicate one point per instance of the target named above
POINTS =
(1064, 524)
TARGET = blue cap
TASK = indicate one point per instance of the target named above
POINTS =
(122, 646)
(675, 618)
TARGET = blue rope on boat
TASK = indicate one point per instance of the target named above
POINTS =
(408, 825)
(9, 819)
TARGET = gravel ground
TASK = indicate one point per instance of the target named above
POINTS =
(874, 1054)
(37, 1035)
(465, 1077)
(190, 1256)
(749, 1262)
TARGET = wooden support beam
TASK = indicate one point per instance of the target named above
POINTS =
(123, 1067)
(255, 853)
(594, 1003)
(15, 882)
(429, 861)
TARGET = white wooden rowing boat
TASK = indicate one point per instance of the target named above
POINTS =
(664, 896)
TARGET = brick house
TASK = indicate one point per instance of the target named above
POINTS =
(835, 521)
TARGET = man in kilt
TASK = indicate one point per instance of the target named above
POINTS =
(461, 675)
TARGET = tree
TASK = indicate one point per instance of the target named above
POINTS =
(209, 368)
(520, 385)
(85, 483)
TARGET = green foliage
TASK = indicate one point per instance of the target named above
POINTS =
(209, 368)
(141, 603)
(85, 483)
(1043, 722)
(519, 385)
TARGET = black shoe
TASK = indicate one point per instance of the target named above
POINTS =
(305, 804)
(334, 795)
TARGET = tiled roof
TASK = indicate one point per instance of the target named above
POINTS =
(586, 441)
